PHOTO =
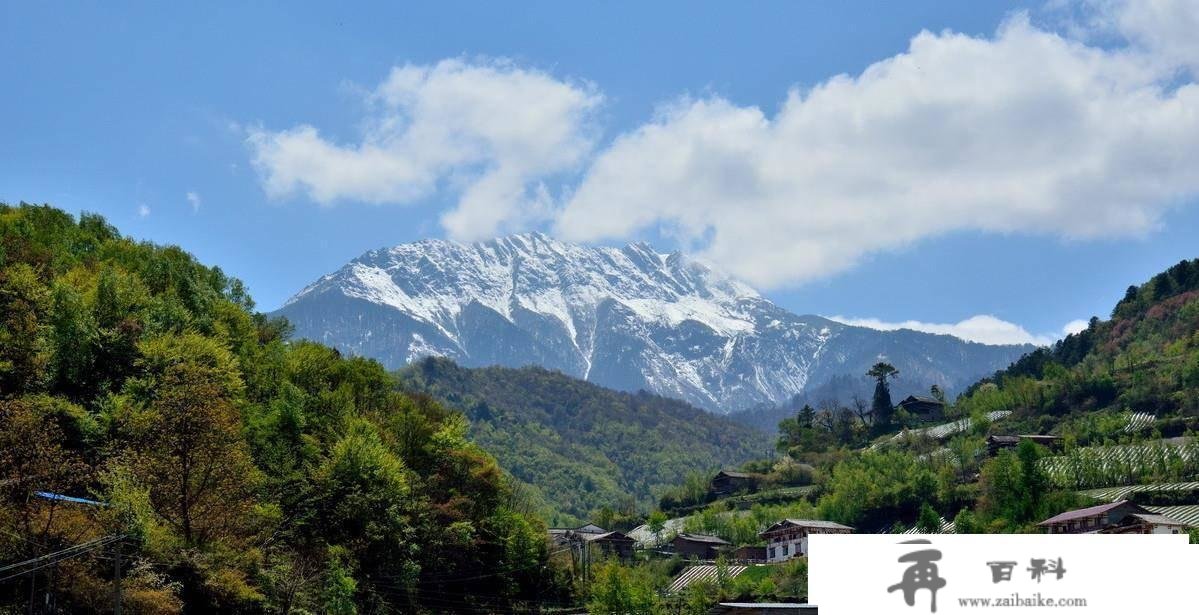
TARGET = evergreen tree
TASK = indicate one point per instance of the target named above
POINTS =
(1033, 481)
(929, 522)
(806, 416)
(882, 408)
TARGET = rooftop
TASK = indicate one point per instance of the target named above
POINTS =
(922, 399)
(1156, 519)
(606, 536)
(816, 523)
(703, 538)
(1081, 513)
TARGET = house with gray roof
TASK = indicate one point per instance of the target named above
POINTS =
(699, 546)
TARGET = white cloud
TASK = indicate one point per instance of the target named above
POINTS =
(1084, 134)
(1025, 131)
(984, 328)
(489, 130)
(194, 200)
(1166, 29)
(1074, 326)
(143, 210)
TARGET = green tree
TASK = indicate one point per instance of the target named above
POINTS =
(340, 586)
(657, 523)
(882, 408)
(929, 522)
(1033, 482)
(806, 416)
(1002, 498)
(24, 349)
(619, 590)
(966, 523)
(186, 443)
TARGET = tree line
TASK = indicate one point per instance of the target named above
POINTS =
(143, 400)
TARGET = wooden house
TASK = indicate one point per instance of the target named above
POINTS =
(567, 535)
(612, 544)
(923, 408)
(998, 443)
(698, 546)
(1092, 519)
(1147, 523)
(750, 554)
(728, 482)
(789, 538)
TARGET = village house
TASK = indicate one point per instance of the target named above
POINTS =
(1141, 523)
(698, 546)
(566, 535)
(998, 443)
(612, 544)
(750, 554)
(789, 538)
(1116, 517)
(728, 482)
(923, 408)
(593, 537)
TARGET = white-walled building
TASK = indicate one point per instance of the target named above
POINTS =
(789, 538)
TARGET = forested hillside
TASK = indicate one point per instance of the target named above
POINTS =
(236, 472)
(582, 447)
(1121, 398)
(1145, 359)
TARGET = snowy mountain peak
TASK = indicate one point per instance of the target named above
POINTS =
(627, 317)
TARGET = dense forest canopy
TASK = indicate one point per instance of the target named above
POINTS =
(235, 471)
(582, 448)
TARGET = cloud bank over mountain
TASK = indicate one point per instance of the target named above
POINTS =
(489, 130)
(982, 328)
(1080, 130)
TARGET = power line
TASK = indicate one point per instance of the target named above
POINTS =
(84, 546)
(74, 552)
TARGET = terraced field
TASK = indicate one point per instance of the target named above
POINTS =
(1186, 514)
(1092, 467)
(940, 432)
(1138, 421)
(1112, 494)
(947, 527)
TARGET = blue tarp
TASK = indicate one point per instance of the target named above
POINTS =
(66, 498)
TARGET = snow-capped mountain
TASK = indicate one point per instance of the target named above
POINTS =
(626, 318)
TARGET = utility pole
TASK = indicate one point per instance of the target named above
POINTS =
(116, 577)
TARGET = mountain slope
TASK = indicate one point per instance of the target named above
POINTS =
(627, 318)
(248, 470)
(1145, 359)
(581, 446)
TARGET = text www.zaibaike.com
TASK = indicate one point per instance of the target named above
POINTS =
(1016, 600)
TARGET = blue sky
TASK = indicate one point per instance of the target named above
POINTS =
(172, 122)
